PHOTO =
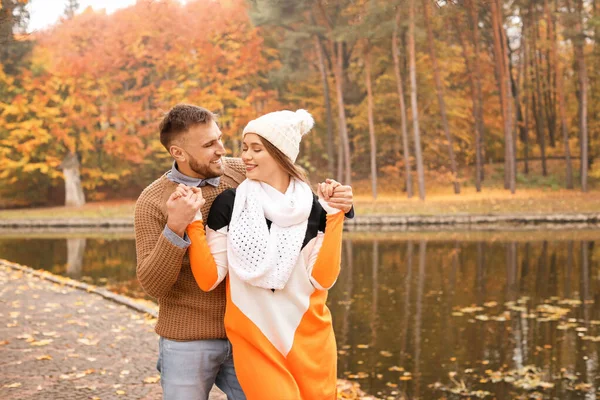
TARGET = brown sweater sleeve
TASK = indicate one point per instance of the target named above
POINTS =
(158, 259)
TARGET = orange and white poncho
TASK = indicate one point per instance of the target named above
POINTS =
(283, 342)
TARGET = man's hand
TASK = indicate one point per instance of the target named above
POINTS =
(338, 196)
(182, 206)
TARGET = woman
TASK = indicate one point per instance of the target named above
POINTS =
(280, 248)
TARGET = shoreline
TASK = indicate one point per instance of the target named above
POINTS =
(400, 222)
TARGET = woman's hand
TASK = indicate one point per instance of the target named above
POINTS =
(337, 195)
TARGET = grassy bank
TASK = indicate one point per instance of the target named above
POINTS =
(491, 201)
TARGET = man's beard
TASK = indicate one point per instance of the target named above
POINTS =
(204, 170)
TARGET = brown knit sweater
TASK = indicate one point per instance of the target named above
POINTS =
(163, 269)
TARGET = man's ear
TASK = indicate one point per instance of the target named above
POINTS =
(177, 153)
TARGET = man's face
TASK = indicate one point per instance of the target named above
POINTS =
(203, 150)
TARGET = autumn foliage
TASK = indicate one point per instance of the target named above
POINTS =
(96, 85)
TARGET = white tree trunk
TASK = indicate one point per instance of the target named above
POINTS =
(74, 196)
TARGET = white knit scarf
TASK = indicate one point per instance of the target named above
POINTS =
(263, 257)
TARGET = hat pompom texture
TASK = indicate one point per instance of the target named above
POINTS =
(306, 121)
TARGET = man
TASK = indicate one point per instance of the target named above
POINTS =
(194, 352)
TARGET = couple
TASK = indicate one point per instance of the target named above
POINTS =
(275, 242)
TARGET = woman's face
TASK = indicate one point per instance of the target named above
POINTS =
(260, 165)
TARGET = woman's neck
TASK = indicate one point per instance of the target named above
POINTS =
(279, 181)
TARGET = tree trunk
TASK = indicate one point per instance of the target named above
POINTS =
(561, 95)
(74, 196)
(537, 99)
(400, 87)
(340, 162)
(326, 95)
(343, 128)
(370, 108)
(516, 93)
(583, 94)
(474, 99)
(526, 98)
(501, 54)
(413, 99)
(440, 95)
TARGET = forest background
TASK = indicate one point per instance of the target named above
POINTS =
(412, 98)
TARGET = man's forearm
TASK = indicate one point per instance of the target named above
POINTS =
(158, 270)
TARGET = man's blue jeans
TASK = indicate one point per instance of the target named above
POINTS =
(188, 370)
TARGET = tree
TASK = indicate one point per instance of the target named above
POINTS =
(474, 72)
(403, 117)
(13, 21)
(326, 97)
(579, 42)
(560, 94)
(413, 99)
(71, 8)
(370, 107)
(503, 74)
(440, 95)
(97, 84)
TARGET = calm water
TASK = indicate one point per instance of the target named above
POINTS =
(426, 316)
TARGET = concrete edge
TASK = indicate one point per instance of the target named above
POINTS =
(107, 294)
(359, 220)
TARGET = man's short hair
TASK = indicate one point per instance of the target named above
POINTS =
(180, 119)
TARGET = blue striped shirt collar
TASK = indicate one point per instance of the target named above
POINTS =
(175, 176)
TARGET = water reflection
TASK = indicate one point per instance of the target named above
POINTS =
(75, 250)
(421, 318)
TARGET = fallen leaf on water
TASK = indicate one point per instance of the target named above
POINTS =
(13, 385)
(360, 375)
(120, 392)
(3, 342)
(44, 357)
(385, 353)
(469, 310)
(362, 346)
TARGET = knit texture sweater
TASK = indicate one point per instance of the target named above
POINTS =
(163, 269)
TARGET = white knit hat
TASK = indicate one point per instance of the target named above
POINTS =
(284, 129)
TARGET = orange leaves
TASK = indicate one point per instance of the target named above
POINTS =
(98, 85)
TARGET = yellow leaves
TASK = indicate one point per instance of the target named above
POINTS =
(152, 379)
(44, 357)
(12, 385)
(40, 343)
(88, 342)
(4, 342)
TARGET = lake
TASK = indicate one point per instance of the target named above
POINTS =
(505, 314)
